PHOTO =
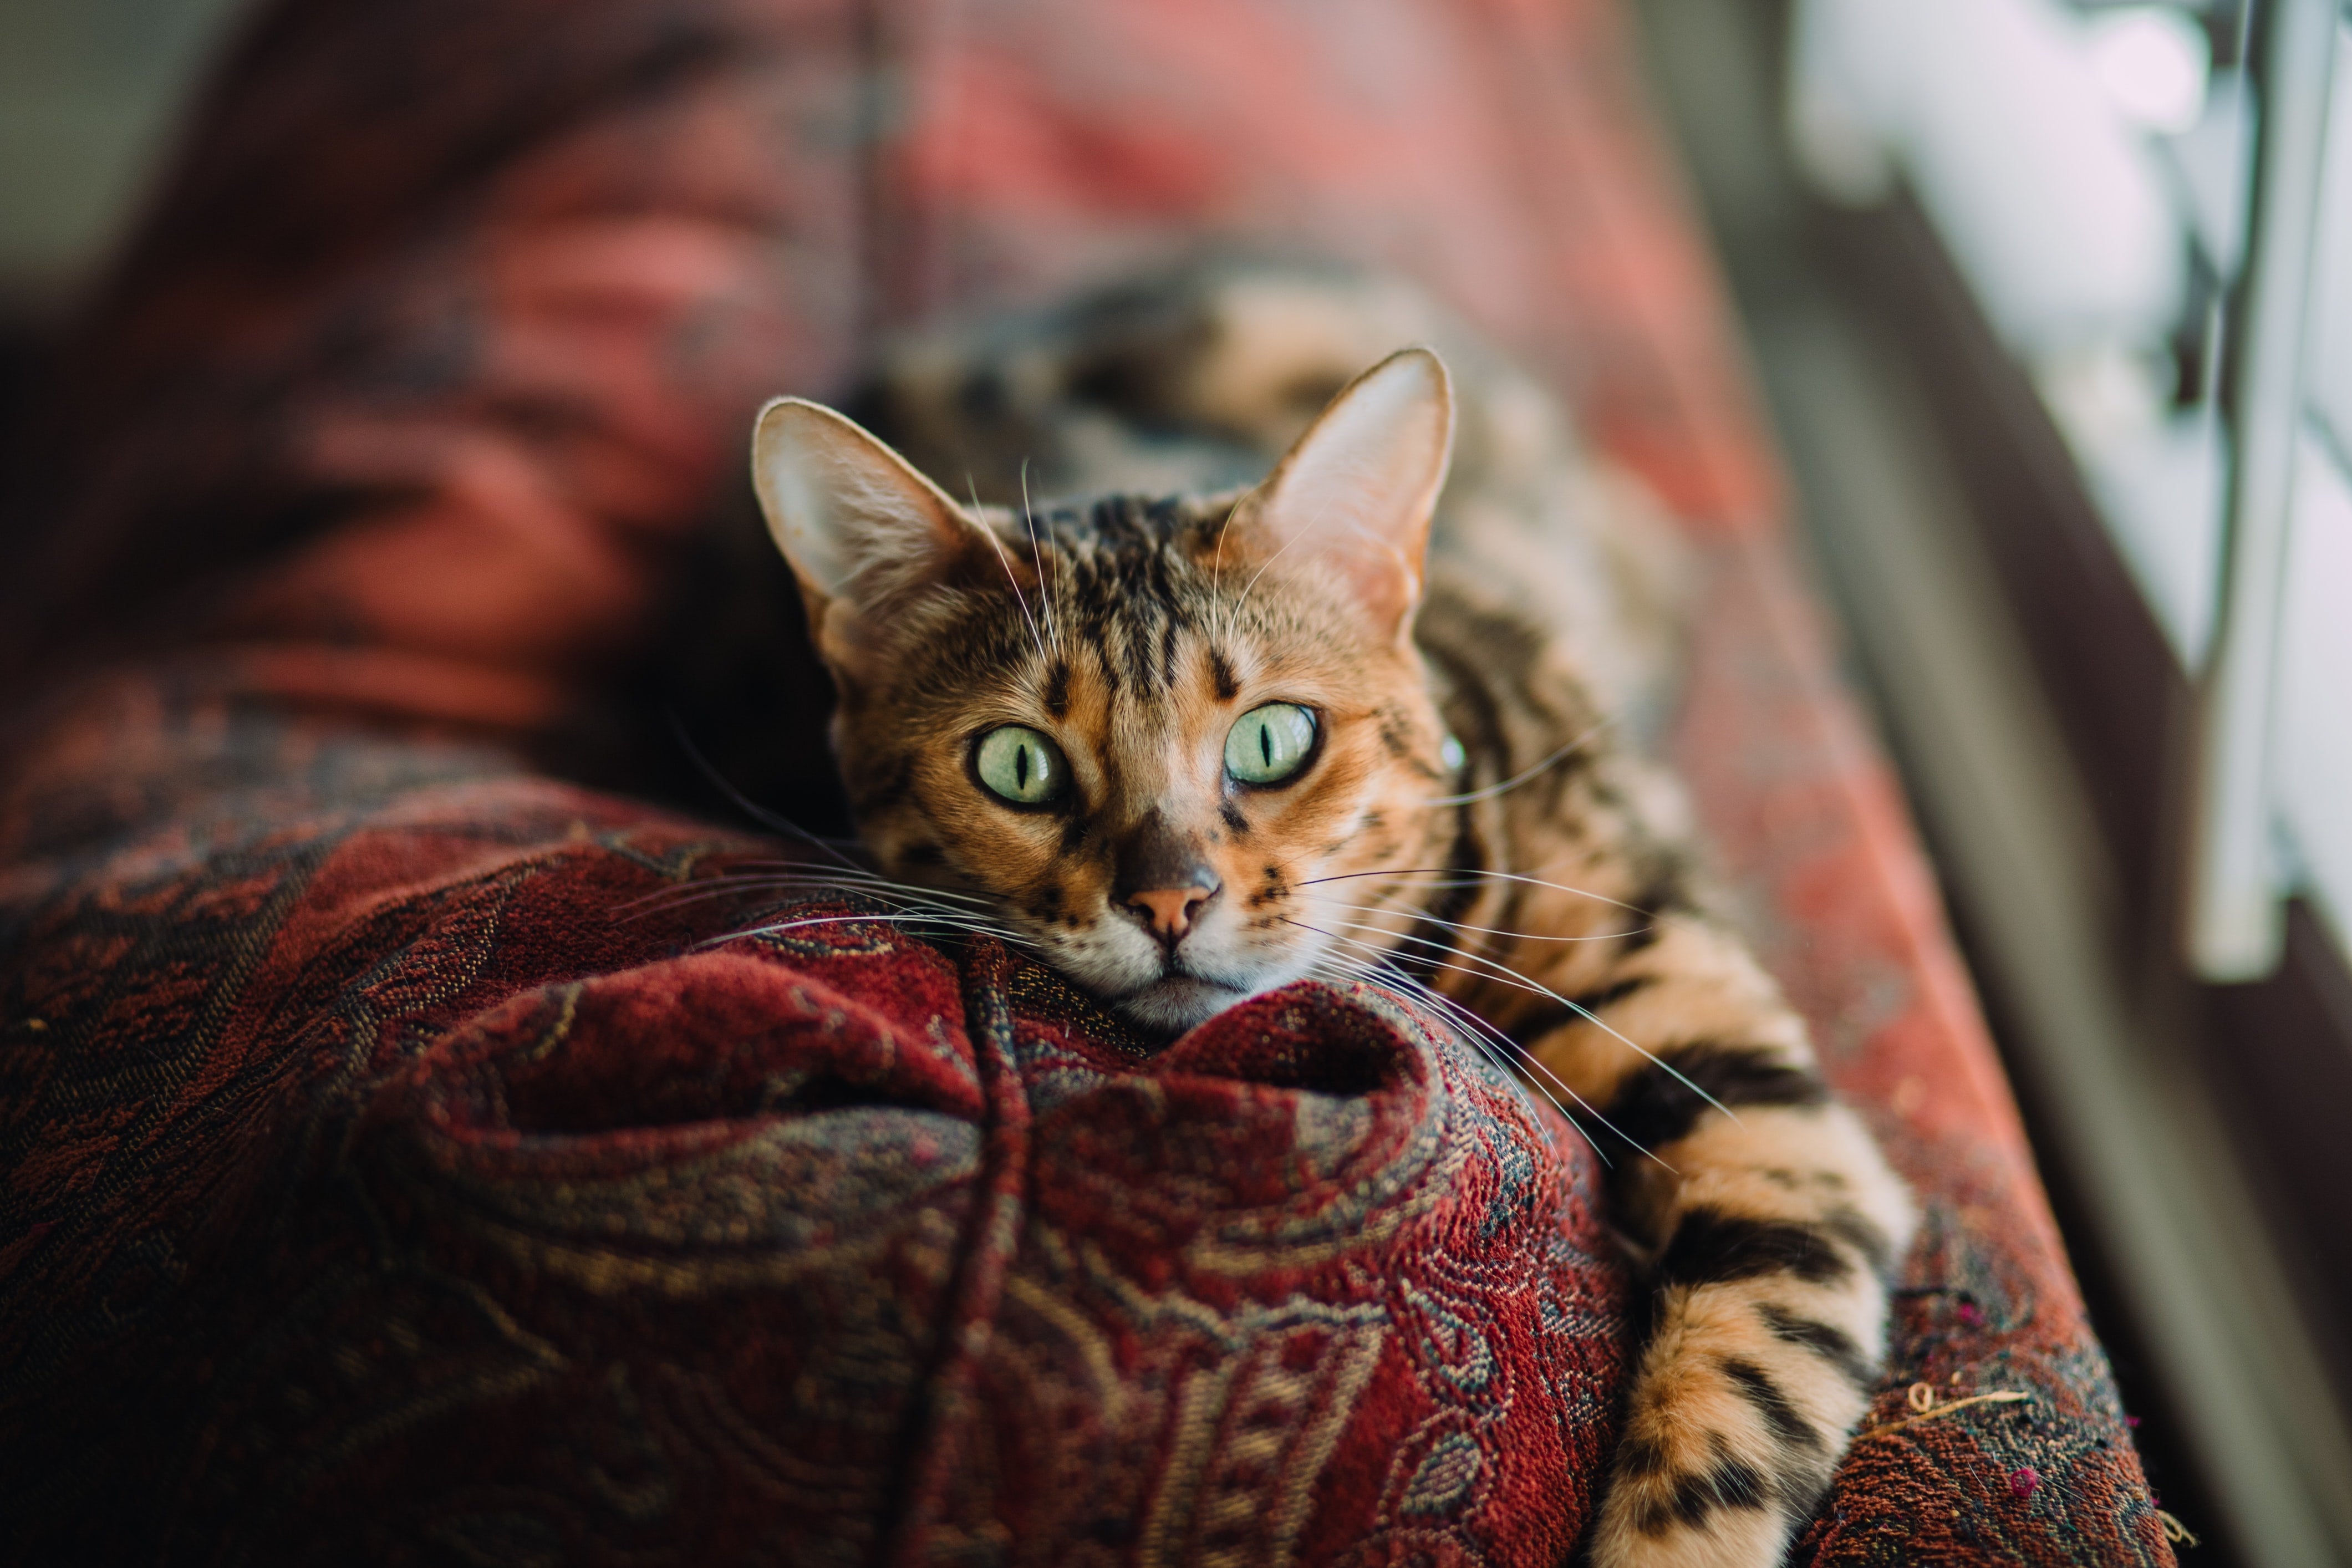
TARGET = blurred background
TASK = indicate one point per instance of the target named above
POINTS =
(2051, 306)
(89, 90)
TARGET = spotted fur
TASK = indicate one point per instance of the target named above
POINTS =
(1475, 817)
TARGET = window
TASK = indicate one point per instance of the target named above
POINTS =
(2153, 204)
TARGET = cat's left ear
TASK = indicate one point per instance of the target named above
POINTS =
(1353, 497)
(863, 530)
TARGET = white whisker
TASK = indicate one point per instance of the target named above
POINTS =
(1333, 967)
(1006, 561)
(1511, 1047)
(825, 877)
(670, 900)
(1490, 1042)
(815, 879)
(1406, 911)
(1267, 564)
(1515, 780)
(743, 802)
(780, 926)
(1037, 559)
(1217, 577)
(1516, 1051)
(1501, 973)
(1465, 871)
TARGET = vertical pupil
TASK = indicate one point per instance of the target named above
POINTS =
(1021, 768)
(1266, 742)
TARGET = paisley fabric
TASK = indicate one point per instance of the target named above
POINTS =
(406, 1158)
(427, 1183)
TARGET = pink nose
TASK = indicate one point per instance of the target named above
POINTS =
(1170, 910)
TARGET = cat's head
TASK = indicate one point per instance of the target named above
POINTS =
(1173, 741)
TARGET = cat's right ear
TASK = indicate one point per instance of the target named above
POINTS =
(1352, 498)
(861, 528)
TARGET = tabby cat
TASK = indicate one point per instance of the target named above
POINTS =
(1190, 746)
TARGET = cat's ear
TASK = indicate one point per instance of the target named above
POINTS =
(1353, 497)
(860, 527)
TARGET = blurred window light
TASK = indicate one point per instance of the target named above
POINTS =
(2153, 61)
(2237, 875)
(2089, 168)
(89, 91)
(2213, 162)
(2054, 205)
(2328, 370)
(2313, 734)
(2159, 477)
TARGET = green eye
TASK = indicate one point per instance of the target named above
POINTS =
(1268, 744)
(1020, 765)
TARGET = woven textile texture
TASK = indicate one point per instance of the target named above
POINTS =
(400, 1162)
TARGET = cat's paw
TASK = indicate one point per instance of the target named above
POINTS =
(1704, 1505)
(1737, 1420)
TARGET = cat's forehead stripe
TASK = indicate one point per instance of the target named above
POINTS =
(1221, 675)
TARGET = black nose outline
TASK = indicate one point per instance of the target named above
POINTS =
(1164, 877)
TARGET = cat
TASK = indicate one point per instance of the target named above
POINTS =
(1211, 732)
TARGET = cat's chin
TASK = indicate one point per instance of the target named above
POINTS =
(1169, 1006)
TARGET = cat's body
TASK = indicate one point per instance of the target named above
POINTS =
(1191, 745)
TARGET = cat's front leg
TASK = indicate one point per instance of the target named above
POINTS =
(1774, 1228)
(1769, 1298)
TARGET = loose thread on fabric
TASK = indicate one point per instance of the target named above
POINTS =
(1921, 1398)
